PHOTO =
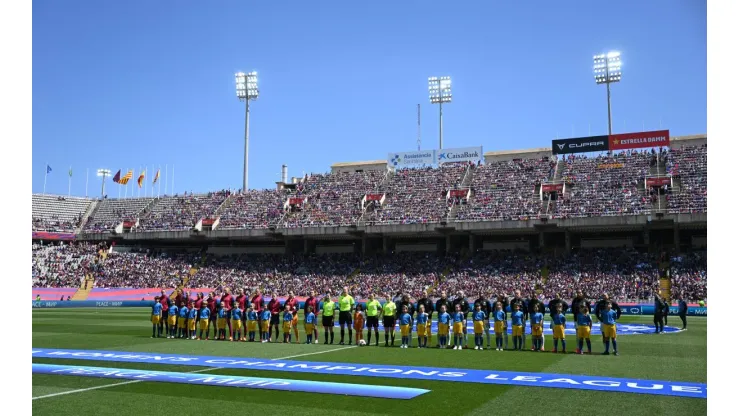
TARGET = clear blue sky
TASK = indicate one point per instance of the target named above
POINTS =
(132, 83)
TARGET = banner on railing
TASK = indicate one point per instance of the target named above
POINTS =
(295, 201)
(373, 197)
(91, 304)
(208, 221)
(552, 187)
(580, 145)
(665, 180)
(44, 235)
(458, 193)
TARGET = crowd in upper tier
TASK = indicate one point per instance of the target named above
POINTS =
(606, 185)
(625, 274)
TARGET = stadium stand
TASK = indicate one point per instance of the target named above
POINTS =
(111, 212)
(62, 265)
(181, 212)
(688, 166)
(253, 209)
(55, 213)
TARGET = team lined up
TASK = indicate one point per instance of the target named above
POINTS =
(239, 319)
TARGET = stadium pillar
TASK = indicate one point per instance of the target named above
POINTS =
(287, 247)
(646, 237)
(542, 240)
(448, 244)
(567, 242)
(386, 244)
(364, 245)
(471, 243)
(309, 246)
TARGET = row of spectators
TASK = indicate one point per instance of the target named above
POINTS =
(623, 273)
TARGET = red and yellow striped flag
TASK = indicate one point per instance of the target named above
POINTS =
(156, 177)
(141, 177)
(126, 177)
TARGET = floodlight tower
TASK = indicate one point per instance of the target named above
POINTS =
(103, 173)
(440, 92)
(246, 90)
(608, 69)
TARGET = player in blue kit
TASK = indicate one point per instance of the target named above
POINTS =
(609, 319)
(287, 325)
(223, 314)
(583, 329)
(537, 318)
(155, 317)
(251, 323)
(236, 324)
(443, 326)
(421, 327)
(517, 327)
(310, 324)
(205, 315)
(172, 320)
(499, 319)
(558, 328)
(458, 319)
(405, 324)
(479, 318)
(266, 316)
(182, 320)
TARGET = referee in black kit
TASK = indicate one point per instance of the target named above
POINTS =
(682, 309)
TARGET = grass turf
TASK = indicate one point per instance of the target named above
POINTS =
(677, 357)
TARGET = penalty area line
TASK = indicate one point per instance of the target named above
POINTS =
(202, 370)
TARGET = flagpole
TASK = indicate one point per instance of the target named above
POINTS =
(69, 185)
(166, 177)
(138, 188)
(119, 185)
(46, 169)
(173, 179)
(87, 179)
(159, 187)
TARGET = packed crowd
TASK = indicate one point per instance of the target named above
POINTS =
(625, 274)
(418, 195)
(605, 185)
(181, 212)
(506, 190)
(54, 213)
(111, 212)
(253, 209)
(689, 165)
(333, 199)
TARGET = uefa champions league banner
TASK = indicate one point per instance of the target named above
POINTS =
(460, 154)
(417, 159)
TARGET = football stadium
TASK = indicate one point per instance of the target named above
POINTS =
(448, 275)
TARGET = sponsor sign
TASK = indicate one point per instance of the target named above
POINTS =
(611, 166)
(513, 378)
(373, 197)
(638, 140)
(208, 221)
(461, 154)
(459, 193)
(385, 392)
(295, 201)
(552, 187)
(580, 145)
(411, 159)
(665, 180)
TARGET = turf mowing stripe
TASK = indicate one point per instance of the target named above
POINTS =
(261, 383)
(202, 370)
(563, 381)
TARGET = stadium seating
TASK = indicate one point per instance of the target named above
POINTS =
(181, 212)
(62, 265)
(110, 212)
(55, 213)
(689, 165)
(505, 190)
(253, 209)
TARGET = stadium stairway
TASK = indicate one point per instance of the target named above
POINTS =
(90, 209)
(224, 205)
(84, 291)
(465, 183)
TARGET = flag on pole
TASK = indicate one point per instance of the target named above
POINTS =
(141, 178)
(156, 177)
(127, 177)
(70, 171)
(48, 169)
(117, 177)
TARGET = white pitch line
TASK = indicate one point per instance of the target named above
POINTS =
(203, 370)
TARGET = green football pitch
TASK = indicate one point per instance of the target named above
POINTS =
(676, 357)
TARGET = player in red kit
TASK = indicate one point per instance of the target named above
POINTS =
(258, 305)
(211, 305)
(292, 303)
(274, 307)
(241, 302)
(198, 304)
(314, 302)
(228, 302)
(165, 301)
